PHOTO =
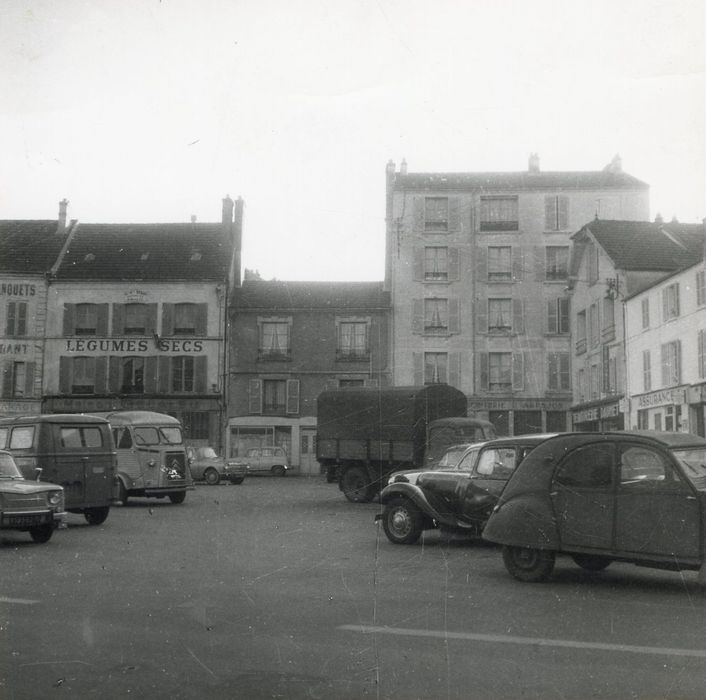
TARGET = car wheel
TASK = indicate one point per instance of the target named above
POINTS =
(402, 521)
(591, 562)
(41, 533)
(528, 564)
(356, 486)
(212, 477)
(237, 480)
(122, 493)
(278, 470)
(96, 516)
(177, 497)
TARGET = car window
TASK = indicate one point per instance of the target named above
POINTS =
(469, 459)
(644, 467)
(496, 463)
(266, 452)
(252, 452)
(693, 461)
(122, 438)
(3, 437)
(590, 466)
(22, 438)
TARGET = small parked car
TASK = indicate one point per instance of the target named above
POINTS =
(267, 460)
(449, 462)
(29, 506)
(206, 465)
(630, 496)
(458, 500)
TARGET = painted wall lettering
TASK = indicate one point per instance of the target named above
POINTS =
(18, 289)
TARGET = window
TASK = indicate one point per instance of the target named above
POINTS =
(646, 371)
(608, 331)
(498, 214)
(701, 357)
(499, 264)
(19, 379)
(16, 326)
(274, 396)
(436, 367)
(557, 262)
(645, 305)
(436, 315)
(581, 332)
(83, 376)
(436, 214)
(587, 467)
(559, 376)
(436, 263)
(195, 425)
(593, 325)
(592, 263)
(499, 315)
(133, 375)
(183, 374)
(671, 363)
(595, 380)
(556, 212)
(86, 319)
(73, 437)
(274, 340)
(500, 371)
(644, 468)
(352, 340)
(582, 385)
(135, 319)
(22, 437)
(670, 301)
(558, 316)
(184, 319)
(497, 463)
(701, 288)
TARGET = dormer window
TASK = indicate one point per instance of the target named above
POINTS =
(144, 257)
(195, 256)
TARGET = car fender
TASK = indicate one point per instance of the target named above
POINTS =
(525, 521)
(416, 495)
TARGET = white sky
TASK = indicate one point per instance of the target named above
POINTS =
(149, 111)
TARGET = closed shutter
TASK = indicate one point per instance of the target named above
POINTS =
(201, 319)
(418, 265)
(454, 264)
(482, 315)
(151, 319)
(118, 319)
(454, 316)
(483, 370)
(518, 316)
(454, 214)
(7, 380)
(65, 364)
(417, 315)
(29, 379)
(292, 396)
(540, 272)
(518, 264)
(553, 382)
(200, 373)
(563, 212)
(69, 327)
(167, 319)
(115, 366)
(10, 325)
(418, 368)
(102, 320)
(550, 213)
(255, 396)
(419, 213)
(455, 369)
(481, 264)
(518, 371)
(100, 385)
(151, 376)
(552, 316)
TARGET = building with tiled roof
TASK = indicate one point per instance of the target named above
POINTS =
(290, 341)
(612, 260)
(137, 320)
(477, 270)
(28, 251)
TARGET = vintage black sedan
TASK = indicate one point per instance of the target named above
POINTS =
(632, 496)
(456, 500)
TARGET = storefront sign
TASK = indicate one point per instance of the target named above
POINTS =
(133, 346)
(611, 410)
(517, 405)
(586, 416)
(661, 398)
(161, 405)
(17, 289)
(19, 408)
(14, 348)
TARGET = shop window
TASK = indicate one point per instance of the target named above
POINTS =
(526, 422)
(556, 421)
(501, 421)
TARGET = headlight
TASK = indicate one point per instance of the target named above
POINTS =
(54, 498)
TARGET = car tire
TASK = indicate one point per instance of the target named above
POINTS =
(591, 562)
(177, 498)
(356, 486)
(278, 470)
(528, 564)
(96, 516)
(41, 533)
(402, 521)
(211, 477)
(237, 480)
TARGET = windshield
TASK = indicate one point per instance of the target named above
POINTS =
(8, 468)
(172, 436)
(207, 453)
(451, 458)
(155, 436)
(693, 460)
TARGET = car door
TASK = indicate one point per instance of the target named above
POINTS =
(582, 494)
(252, 457)
(657, 510)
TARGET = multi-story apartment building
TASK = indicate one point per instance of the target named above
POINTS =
(28, 249)
(612, 261)
(290, 341)
(666, 350)
(477, 267)
(137, 319)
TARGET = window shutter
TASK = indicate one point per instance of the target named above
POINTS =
(102, 320)
(702, 355)
(539, 263)
(118, 319)
(255, 396)
(563, 212)
(114, 372)
(481, 265)
(518, 371)
(455, 369)
(454, 214)
(167, 319)
(151, 319)
(483, 370)
(454, 264)
(550, 213)
(482, 315)
(165, 366)
(65, 364)
(419, 213)
(101, 372)
(69, 319)
(7, 380)
(292, 396)
(10, 325)
(552, 316)
(418, 368)
(553, 382)
(417, 315)
(518, 316)
(151, 377)
(454, 316)
(418, 265)
(201, 319)
(518, 264)
(29, 379)
(200, 374)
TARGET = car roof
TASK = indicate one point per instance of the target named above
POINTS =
(78, 418)
(528, 439)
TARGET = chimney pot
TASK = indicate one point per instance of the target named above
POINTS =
(390, 167)
(61, 223)
(227, 210)
(403, 167)
(533, 164)
(193, 218)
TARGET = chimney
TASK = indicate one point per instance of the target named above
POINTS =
(533, 165)
(659, 219)
(227, 211)
(61, 223)
(236, 277)
(193, 218)
(615, 165)
(403, 167)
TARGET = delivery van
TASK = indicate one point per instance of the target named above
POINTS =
(74, 451)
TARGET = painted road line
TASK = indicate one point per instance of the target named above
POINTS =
(18, 601)
(527, 641)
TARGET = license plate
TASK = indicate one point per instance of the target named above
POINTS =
(25, 520)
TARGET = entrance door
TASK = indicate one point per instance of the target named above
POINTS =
(307, 453)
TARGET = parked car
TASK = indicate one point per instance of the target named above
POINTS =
(29, 506)
(267, 460)
(458, 500)
(632, 496)
(206, 465)
(449, 462)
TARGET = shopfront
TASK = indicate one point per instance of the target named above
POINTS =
(522, 416)
(599, 416)
(665, 409)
